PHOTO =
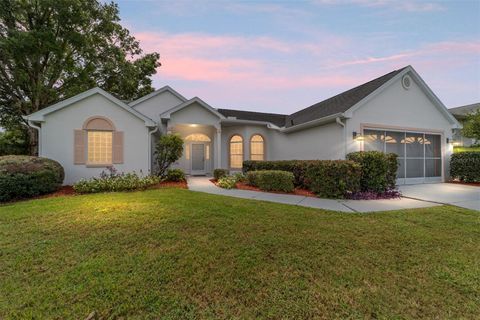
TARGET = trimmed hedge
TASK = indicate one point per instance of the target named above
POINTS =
(333, 178)
(26, 177)
(379, 170)
(220, 173)
(297, 167)
(271, 180)
(465, 166)
(175, 175)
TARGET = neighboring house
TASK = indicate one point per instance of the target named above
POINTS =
(460, 113)
(396, 112)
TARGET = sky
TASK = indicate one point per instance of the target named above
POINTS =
(282, 56)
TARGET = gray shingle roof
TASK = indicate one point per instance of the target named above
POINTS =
(337, 104)
(275, 118)
(461, 112)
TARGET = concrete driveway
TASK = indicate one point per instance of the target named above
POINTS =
(446, 193)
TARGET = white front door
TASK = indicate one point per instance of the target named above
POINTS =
(198, 158)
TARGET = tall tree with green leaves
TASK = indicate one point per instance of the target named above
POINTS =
(471, 126)
(53, 49)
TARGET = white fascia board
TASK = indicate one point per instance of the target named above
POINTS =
(436, 102)
(314, 123)
(155, 93)
(39, 116)
(253, 122)
(167, 114)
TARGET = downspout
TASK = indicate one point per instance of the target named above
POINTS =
(38, 128)
(150, 132)
(337, 119)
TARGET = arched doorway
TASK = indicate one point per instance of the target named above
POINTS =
(198, 152)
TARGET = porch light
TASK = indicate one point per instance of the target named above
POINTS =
(357, 136)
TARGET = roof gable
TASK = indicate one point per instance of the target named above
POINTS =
(339, 103)
(195, 100)
(155, 93)
(40, 115)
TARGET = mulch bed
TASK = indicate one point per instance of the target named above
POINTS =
(171, 184)
(475, 184)
(65, 191)
(297, 191)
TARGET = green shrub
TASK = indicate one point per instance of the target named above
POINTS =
(14, 142)
(112, 181)
(220, 173)
(333, 178)
(227, 182)
(25, 177)
(379, 170)
(169, 148)
(465, 166)
(271, 180)
(297, 167)
(175, 175)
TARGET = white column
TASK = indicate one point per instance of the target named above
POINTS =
(218, 148)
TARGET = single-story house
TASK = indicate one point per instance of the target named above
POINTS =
(460, 113)
(396, 112)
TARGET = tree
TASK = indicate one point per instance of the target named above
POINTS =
(169, 149)
(14, 142)
(471, 126)
(53, 49)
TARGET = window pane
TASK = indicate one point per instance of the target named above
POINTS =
(373, 140)
(432, 146)
(236, 152)
(99, 147)
(401, 168)
(257, 148)
(414, 142)
(433, 167)
(394, 142)
(414, 168)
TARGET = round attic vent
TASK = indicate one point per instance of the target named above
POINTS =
(406, 82)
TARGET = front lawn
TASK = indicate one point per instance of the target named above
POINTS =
(178, 254)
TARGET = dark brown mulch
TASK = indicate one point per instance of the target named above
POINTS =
(475, 184)
(171, 184)
(297, 191)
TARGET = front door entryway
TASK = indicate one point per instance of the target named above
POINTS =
(198, 158)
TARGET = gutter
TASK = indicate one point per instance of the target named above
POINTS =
(314, 123)
(38, 128)
(150, 132)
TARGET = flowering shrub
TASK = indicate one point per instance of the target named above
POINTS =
(370, 195)
(227, 182)
(111, 180)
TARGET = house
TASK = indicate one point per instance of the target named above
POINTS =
(396, 112)
(460, 113)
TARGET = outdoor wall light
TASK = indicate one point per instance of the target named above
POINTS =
(357, 136)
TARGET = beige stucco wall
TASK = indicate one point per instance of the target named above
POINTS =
(58, 129)
(158, 104)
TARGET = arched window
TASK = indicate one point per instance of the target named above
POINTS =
(200, 137)
(257, 148)
(98, 143)
(236, 152)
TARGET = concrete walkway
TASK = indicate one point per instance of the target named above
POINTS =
(203, 184)
(445, 193)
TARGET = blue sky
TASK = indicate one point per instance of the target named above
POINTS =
(281, 56)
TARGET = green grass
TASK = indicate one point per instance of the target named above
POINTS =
(177, 254)
(465, 149)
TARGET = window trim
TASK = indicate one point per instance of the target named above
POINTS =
(264, 148)
(230, 151)
(86, 128)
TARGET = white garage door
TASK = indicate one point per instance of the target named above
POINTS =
(419, 153)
